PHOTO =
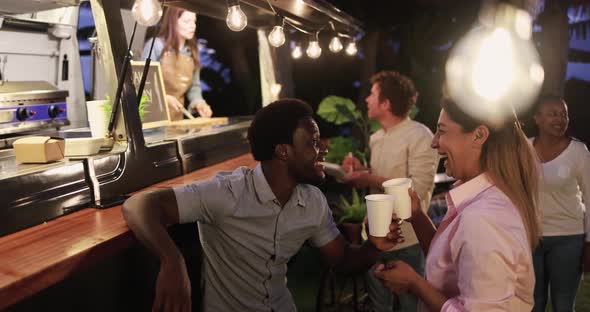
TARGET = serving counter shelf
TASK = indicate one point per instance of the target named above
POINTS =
(38, 257)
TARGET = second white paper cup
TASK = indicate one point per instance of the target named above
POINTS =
(399, 189)
(379, 210)
(98, 118)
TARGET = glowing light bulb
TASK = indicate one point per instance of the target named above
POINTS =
(147, 12)
(494, 70)
(236, 19)
(351, 48)
(313, 49)
(297, 52)
(335, 45)
(276, 37)
(491, 79)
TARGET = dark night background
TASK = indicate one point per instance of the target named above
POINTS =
(412, 37)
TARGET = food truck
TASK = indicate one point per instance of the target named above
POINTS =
(62, 188)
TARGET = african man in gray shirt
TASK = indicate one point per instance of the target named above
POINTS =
(259, 216)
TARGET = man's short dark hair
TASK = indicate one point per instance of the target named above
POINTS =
(275, 124)
(396, 88)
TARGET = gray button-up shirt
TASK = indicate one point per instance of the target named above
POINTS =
(248, 238)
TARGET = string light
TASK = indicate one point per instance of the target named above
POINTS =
(335, 44)
(494, 71)
(147, 12)
(297, 52)
(236, 19)
(351, 48)
(313, 49)
(277, 36)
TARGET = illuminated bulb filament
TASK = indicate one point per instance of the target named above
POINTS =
(313, 49)
(297, 53)
(276, 36)
(335, 45)
(351, 48)
(236, 19)
(147, 12)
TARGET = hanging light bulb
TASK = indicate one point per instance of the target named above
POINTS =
(297, 52)
(277, 35)
(335, 44)
(147, 12)
(313, 49)
(236, 19)
(494, 71)
(351, 48)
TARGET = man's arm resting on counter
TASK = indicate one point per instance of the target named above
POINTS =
(148, 214)
(345, 257)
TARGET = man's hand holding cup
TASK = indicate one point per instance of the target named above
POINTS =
(382, 225)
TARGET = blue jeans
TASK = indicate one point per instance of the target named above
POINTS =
(382, 299)
(558, 266)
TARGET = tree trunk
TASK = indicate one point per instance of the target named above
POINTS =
(554, 46)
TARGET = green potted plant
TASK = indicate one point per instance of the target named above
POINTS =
(354, 212)
(342, 111)
(144, 103)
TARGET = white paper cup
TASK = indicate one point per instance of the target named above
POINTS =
(98, 118)
(379, 210)
(399, 189)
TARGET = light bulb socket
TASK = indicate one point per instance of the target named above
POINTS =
(231, 3)
(278, 21)
(314, 36)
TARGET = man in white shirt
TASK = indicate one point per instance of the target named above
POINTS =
(401, 149)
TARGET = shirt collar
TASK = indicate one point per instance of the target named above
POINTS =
(264, 192)
(464, 192)
(400, 125)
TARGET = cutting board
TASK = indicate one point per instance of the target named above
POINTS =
(198, 122)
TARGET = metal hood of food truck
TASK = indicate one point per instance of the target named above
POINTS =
(309, 14)
(28, 6)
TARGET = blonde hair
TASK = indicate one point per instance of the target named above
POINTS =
(509, 160)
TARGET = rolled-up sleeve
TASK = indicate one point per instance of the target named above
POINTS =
(327, 230)
(207, 200)
(486, 258)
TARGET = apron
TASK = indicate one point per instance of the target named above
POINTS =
(178, 71)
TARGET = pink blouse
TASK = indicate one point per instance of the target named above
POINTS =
(480, 257)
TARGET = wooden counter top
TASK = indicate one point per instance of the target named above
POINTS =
(38, 257)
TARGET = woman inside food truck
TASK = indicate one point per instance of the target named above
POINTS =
(178, 54)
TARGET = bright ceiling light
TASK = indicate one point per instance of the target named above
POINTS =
(236, 19)
(335, 44)
(277, 36)
(351, 48)
(495, 71)
(297, 52)
(147, 12)
(313, 49)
